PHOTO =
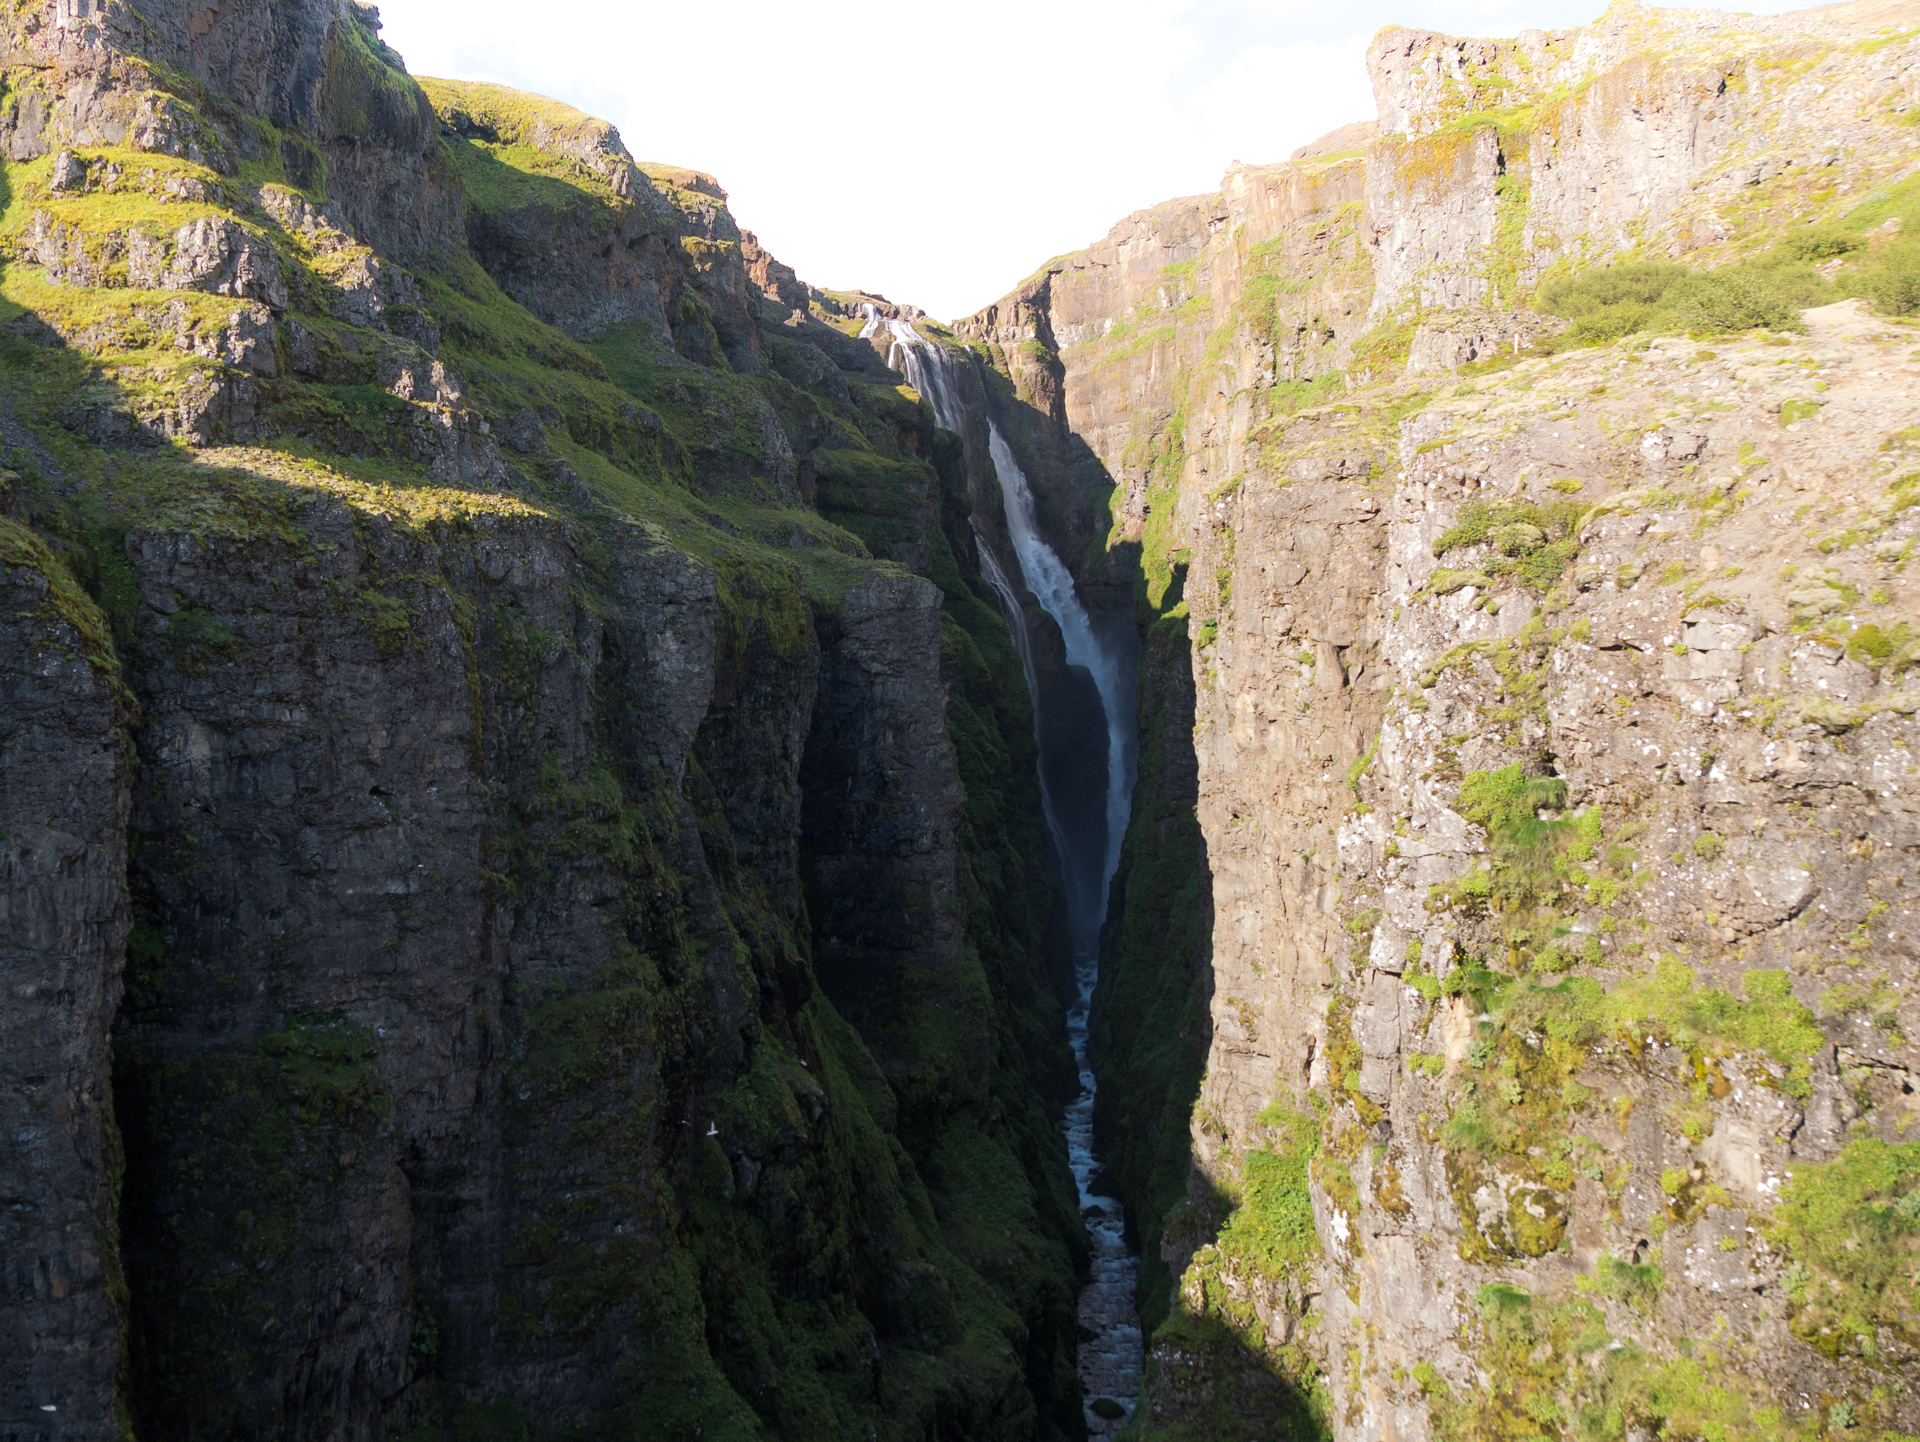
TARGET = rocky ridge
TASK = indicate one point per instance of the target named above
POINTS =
(527, 909)
(526, 900)
(1504, 1016)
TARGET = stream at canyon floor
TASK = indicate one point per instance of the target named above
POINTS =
(1111, 1356)
(1111, 1347)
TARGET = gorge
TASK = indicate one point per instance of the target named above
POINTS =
(1305, 828)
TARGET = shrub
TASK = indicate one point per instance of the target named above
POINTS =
(1504, 799)
(1891, 280)
(1850, 1225)
(1609, 302)
(1741, 297)
(1535, 541)
(1595, 292)
(1637, 1286)
(1606, 325)
(1812, 245)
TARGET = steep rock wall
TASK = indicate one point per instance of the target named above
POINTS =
(473, 821)
(1454, 1148)
(64, 797)
(1691, 131)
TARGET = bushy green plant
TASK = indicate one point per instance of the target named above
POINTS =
(1637, 1286)
(1812, 245)
(1701, 1019)
(1891, 279)
(1273, 1227)
(1535, 541)
(1742, 297)
(1609, 302)
(1593, 292)
(1503, 799)
(1850, 1224)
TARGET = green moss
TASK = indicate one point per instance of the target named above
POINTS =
(1533, 542)
(1506, 799)
(1360, 766)
(68, 610)
(1554, 1369)
(366, 90)
(1850, 1225)
(1668, 1002)
(1271, 1226)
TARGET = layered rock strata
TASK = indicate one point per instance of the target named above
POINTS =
(1476, 1054)
(501, 671)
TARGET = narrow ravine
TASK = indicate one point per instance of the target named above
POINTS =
(1111, 1354)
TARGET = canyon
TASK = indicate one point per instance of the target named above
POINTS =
(1305, 828)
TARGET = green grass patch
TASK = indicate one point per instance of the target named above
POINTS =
(1852, 1227)
(1533, 542)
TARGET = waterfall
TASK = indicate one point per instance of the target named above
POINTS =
(1110, 1364)
(1003, 592)
(1048, 581)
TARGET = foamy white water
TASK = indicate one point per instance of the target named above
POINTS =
(1111, 1354)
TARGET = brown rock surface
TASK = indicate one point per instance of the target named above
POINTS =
(1284, 397)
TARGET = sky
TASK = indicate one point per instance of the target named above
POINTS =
(939, 154)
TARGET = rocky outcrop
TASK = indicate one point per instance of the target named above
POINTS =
(343, 117)
(1463, 1097)
(486, 834)
(610, 246)
(64, 782)
(1694, 132)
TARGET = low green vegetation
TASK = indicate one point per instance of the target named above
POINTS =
(1555, 1369)
(1271, 1228)
(1667, 1002)
(1216, 1333)
(1533, 541)
(1852, 1228)
(1610, 302)
(1812, 265)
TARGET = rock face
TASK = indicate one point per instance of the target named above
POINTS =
(64, 781)
(1699, 128)
(1512, 954)
(527, 908)
(501, 672)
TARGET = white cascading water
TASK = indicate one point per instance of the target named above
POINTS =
(1111, 1353)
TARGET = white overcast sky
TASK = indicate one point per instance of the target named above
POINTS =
(938, 154)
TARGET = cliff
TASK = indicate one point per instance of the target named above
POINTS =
(546, 824)
(1504, 1014)
(526, 903)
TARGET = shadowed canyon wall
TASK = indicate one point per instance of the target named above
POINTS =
(528, 907)
(527, 904)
